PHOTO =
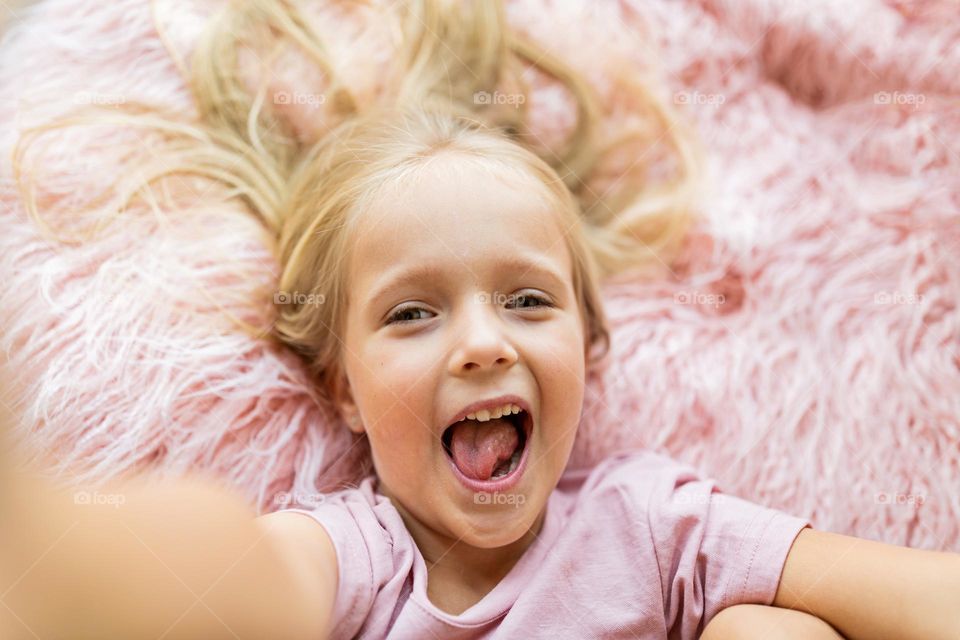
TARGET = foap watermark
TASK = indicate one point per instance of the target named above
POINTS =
(298, 97)
(483, 497)
(884, 497)
(897, 297)
(899, 98)
(698, 98)
(685, 497)
(498, 297)
(100, 99)
(498, 97)
(298, 297)
(95, 498)
(700, 298)
(287, 498)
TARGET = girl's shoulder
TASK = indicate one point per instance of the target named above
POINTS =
(360, 510)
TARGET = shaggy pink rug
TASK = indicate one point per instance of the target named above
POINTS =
(805, 354)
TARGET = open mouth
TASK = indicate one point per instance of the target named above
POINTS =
(489, 452)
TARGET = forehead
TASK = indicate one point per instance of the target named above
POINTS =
(465, 215)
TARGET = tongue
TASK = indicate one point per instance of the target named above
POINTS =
(478, 447)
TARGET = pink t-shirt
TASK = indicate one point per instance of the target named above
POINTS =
(641, 546)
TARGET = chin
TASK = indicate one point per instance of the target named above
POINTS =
(492, 527)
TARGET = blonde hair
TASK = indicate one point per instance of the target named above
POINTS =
(308, 196)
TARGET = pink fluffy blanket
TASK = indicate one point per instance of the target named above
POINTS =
(804, 353)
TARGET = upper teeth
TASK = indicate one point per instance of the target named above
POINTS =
(486, 414)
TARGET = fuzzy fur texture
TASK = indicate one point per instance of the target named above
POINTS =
(804, 353)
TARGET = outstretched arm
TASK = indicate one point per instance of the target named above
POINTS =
(183, 560)
(868, 589)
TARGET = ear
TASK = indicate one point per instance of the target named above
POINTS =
(343, 398)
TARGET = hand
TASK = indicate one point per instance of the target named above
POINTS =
(20, 493)
(9, 627)
(13, 471)
(6, 458)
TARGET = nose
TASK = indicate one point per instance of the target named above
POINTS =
(480, 339)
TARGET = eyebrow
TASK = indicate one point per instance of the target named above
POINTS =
(427, 272)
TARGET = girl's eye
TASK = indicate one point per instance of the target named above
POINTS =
(393, 319)
(524, 298)
(523, 301)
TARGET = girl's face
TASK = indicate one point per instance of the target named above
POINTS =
(436, 322)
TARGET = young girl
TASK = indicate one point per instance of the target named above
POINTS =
(441, 280)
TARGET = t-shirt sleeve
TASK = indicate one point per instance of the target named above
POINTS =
(714, 550)
(366, 566)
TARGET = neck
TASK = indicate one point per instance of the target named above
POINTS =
(452, 562)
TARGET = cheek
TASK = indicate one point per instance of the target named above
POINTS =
(563, 350)
(560, 374)
(396, 397)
